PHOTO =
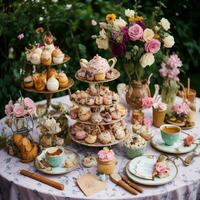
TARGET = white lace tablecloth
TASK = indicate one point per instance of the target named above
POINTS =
(14, 186)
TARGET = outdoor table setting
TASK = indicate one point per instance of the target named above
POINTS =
(99, 141)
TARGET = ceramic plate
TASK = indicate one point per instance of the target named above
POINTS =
(70, 156)
(177, 148)
(151, 182)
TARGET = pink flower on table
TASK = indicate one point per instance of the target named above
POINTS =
(161, 168)
(20, 36)
(152, 46)
(18, 110)
(106, 155)
(30, 104)
(147, 102)
(135, 32)
(189, 140)
(9, 108)
(93, 22)
(174, 61)
(160, 106)
(147, 122)
(181, 109)
(102, 25)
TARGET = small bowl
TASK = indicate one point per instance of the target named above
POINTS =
(55, 156)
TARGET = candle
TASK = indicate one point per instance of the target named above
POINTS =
(188, 86)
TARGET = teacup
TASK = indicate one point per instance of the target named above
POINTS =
(55, 156)
(170, 133)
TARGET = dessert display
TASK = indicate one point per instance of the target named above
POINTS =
(97, 110)
(106, 161)
(134, 146)
(22, 147)
(50, 80)
(97, 70)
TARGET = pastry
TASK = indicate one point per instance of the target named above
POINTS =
(115, 115)
(107, 100)
(105, 137)
(119, 133)
(90, 76)
(35, 58)
(63, 80)
(107, 117)
(106, 161)
(52, 84)
(80, 135)
(134, 146)
(110, 75)
(52, 72)
(89, 161)
(90, 101)
(82, 74)
(84, 114)
(100, 75)
(91, 139)
(74, 110)
(96, 117)
(115, 96)
(69, 164)
(121, 109)
(136, 127)
(46, 57)
(28, 82)
(39, 82)
(92, 90)
(99, 100)
(58, 56)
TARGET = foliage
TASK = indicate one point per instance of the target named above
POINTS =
(70, 23)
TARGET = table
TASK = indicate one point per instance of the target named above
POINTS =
(14, 186)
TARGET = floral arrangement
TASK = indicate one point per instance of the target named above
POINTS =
(160, 106)
(21, 108)
(135, 39)
(181, 109)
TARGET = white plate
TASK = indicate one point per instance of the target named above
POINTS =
(69, 155)
(156, 181)
(177, 148)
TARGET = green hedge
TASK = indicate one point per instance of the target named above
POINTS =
(70, 23)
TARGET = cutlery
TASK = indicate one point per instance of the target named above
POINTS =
(116, 178)
(42, 179)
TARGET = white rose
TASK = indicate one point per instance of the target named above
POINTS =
(168, 41)
(147, 60)
(102, 34)
(102, 40)
(165, 24)
(129, 13)
(148, 34)
(119, 23)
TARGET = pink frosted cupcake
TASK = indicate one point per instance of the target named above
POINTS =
(106, 161)
(80, 135)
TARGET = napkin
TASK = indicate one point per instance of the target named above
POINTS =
(90, 184)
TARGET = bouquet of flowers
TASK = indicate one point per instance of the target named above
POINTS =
(21, 108)
(181, 110)
(135, 39)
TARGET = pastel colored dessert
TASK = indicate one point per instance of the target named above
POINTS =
(89, 161)
(99, 100)
(107, 117)
(100, 75)
(80, 135)
(74, 110)
(106, 161)
(105, 137)
(46, 58)
(58, 56)
(84, 114)
(28, 82)
(39, 81)
(90, 100)
(119, 134)
(63, 80)
(90, 76)
(35, 58)
(134, 146)
(107, 100)
(96, 117)
(115, 115)
(110, 75)
(91, 139)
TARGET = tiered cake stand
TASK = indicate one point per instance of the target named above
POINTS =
(49, 94)
(97, 108)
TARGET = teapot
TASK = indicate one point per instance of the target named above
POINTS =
(98, 64)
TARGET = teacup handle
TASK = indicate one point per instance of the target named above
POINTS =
(113, 60)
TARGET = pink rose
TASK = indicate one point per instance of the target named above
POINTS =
(9, 108)
(181, 109)
(189, 140)
(19, 110)
(147, 102)
(152, 46)
(106, 155)
(160, 106)
(161, 168)
(135, 32)
(30, 105)
(102, 25)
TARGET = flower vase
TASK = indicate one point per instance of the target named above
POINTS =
(22, 125)
(136, 91)
(168, 93)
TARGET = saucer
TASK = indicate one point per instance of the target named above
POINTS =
(72, 162)
(177, 148)
(142, 178)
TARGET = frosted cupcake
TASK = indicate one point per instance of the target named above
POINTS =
(106, 161)
(134, 146)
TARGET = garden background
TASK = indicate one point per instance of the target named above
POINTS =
(70, 23)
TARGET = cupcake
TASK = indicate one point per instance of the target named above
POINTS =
(52, 72)
(74, 112)
(39, 82)
(134, 146)
(82, 74)
(105, 137)
(80, 135)
(58, 56)
(63, 80)
(28, 82)
(89, 76)
(119, 134)
(107, 100)
(91, 139)
(106, 161)
(99, 100)
(115, 115)
(110, 75)
(90, 101)
(100, 75)
(96, 117)
(84, 114)
(46, 57)
(107, 117)
(35, 58)
(89, 161)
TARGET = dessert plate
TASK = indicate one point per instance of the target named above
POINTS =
(178, 148)
(72, 162)
(133, 165)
